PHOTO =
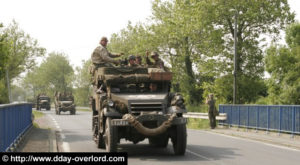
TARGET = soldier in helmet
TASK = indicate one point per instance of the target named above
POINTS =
(158, 63)
(211, 110)
(101, 57)
(131, 61)
(138, 60)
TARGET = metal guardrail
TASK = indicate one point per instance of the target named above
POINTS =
(197, 115)
(281, 118)
(15, 119)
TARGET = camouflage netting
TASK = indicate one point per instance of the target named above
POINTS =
(119, 75)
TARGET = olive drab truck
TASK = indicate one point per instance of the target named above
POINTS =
(43, 101)
(136, 104)
(64, 102)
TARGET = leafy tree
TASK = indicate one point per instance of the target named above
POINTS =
(283, 63)
(18, 52)
(4, 46)
(255, 19)
(133, 40)
(82, 84)
(196, 39)
(54, 74)
(23, 50)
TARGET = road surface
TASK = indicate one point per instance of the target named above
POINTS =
(203, 147)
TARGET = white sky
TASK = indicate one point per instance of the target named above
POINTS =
(73, 26)
(76, 26)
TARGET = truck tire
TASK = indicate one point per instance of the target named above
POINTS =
(48, 108)
(179, 139)
(111, 136)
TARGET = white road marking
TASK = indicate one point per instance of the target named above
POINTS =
(255, 141)
(196, 154)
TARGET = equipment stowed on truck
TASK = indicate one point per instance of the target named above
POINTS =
(64, 102)
(135, 104)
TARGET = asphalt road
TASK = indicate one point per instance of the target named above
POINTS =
(203, 147)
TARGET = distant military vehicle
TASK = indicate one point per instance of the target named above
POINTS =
(135, 104)
(64, 102)
(42, 101)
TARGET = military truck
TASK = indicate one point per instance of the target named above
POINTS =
(42, 101)
(136, 104)
(64, 102)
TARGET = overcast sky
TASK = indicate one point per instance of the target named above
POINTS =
(76, 26)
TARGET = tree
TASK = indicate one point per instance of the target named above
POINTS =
(82, 84)
(21, 52)
(4, 46)
(54, 74)
(133, 40)
(283, 64)
(255, 19)
(196, 39)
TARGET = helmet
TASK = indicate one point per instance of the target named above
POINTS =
(131, 57)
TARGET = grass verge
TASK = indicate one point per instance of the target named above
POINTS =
(37, 114)
(198, 123)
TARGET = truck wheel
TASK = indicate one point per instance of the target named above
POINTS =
(111, 136)
(179, 139)
(37, 108)
(100, 141)
(160, 142)
(48, 109)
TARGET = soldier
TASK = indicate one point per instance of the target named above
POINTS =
(211, 110)
(158, 63)
(132, 61)
(101, 57)
(138, 60)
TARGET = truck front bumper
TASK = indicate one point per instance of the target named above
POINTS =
(152, 118)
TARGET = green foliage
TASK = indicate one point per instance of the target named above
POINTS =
(198, 124)
(283, 63)
(3, 52)
(54, 74)
(18, 52)
(82, 84)
(196, 38)
(37, 114)
(23, 50)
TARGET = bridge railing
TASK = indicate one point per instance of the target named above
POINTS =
(281, 118)
(15, 119)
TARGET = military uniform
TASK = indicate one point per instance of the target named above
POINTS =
(157, 64)
(211, 112)
(102, 57)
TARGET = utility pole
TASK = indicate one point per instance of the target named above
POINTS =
(235, 59)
